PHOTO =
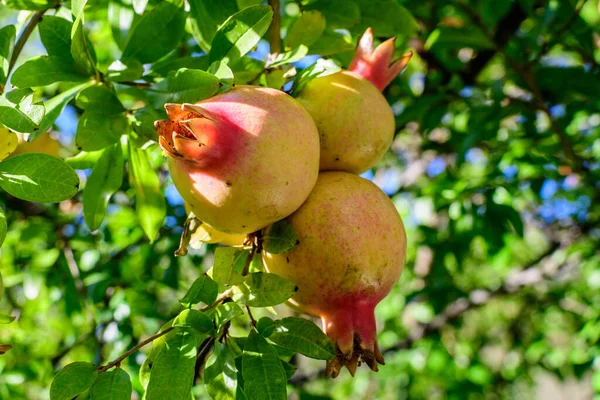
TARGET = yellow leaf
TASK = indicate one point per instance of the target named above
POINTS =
(8, 142)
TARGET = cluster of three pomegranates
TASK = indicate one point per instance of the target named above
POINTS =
(250, 157)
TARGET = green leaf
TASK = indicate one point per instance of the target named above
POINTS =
(310, 73)
(7, 38)
(220, 374)
(172, 372)
(184, 86)
(103, 182)
(23, 100)
(112, 385)
(30, 4)
(304, 337)
(38, 177)
(157, 33)
(265, 326)
(224, 313)
(228, 265)
(14, 118)
(340, 14)
(264, 376)
(494, 11)
(150, 201)
(446, 37)
(306, 30)
(81, 49)
(263, 289)
(332, 42)
(562, 81)
(143, 123)
(3, 230)
(289, 369)
(125, 70)
(195, 319)
(72, 380)
(206, 16)
(84, 160)
(99, 99)
(395, 20)
(221, 71)
(203, 290)
(163, 67)
(55, 34)
(97, 130)
(240, 33)
(43, 71)
(6, 319)
(289, 57)
(55, 106)
(280, 238)
(157, 346)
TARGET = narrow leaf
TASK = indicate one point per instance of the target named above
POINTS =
(99, 99)
(264, 376)
(96, 130)
(228, 265)
(43, 71)
(203, 290)
(304, 337)
(55, 33)
(306, 30)
(150, 201)
(224, 313)
(125, 70)
(263, 289)
(3, 230)
(7, 38)
(103, 182)
(157, 33)
(280, 238)
(38, 177)
(6, 319)
(112, 385)
(196, 320)
(240, 33)
(172, 373)
(220, 375)
(72, 380)
(184, 86)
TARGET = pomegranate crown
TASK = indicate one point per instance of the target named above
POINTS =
(376, 64)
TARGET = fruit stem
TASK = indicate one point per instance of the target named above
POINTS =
(275, 28)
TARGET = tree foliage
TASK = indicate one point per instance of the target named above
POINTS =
(495, 170)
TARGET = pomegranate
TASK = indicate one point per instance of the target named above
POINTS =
(355, 122)
(351, 253)
(242, 159)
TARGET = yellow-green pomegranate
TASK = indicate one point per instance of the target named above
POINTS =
(351, 253)
(242, 159)
(355, 122)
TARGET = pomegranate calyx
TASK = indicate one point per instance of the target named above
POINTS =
(376, 64)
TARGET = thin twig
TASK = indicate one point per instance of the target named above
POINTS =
(35, 19)
(139, 85)
(123, 356)
(252, 320)
(275, 28)
(224, 296)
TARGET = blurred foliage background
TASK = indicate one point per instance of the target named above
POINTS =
(495, 169)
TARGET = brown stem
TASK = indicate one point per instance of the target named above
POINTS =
(252, 320)
(35, 19)
(226, 294)
(123, 356)
(275, 28)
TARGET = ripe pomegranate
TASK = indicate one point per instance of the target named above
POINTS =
(242, 159)
(351, 253)
(355, 122)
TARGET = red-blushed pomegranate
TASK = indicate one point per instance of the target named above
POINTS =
(242, 159)
(351, 253)
(355, 122)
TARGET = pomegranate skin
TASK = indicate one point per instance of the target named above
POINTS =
(355, 122)
(351, 253)
(242, 159)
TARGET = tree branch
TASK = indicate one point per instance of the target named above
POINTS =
(35, 19)
(123, 356)
(275, 28)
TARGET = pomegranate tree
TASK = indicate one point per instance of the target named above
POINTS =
(351, 253)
